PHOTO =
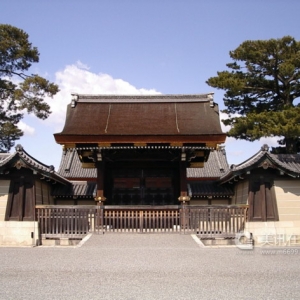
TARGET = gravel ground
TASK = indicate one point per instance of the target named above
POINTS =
(147, 266)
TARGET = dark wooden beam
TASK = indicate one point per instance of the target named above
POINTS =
(211, 139)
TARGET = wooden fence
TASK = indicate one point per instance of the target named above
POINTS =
(141, 219)
(64, 221)
(58, 221)
(215, 221)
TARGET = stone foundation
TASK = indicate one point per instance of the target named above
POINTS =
(14, 233)
(282, 233)
(60, 242)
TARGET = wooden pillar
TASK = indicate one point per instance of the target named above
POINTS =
(21, 198)
(183, 198)
(262, 195)
(100, 199)
(100, 179)
(183, 179)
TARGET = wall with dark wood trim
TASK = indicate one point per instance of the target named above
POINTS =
(241, 192)
(26, 190)
(4, 189)
(43, 193)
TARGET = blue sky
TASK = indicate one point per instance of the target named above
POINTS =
(139, 46)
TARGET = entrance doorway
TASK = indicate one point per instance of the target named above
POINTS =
(142, 186)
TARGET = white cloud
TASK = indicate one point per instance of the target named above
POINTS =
(82, 66)
(77, 78)
(28, 130)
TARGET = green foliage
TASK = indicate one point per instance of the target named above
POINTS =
(9, 132)
(261, 86)
(19, 92)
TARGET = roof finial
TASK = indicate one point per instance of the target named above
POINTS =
(265, 147)
(74, 100)
(19, 147)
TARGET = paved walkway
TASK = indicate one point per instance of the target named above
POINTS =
(146, 266)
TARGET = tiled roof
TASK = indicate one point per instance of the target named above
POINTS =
(288, 163)
(249, 163)
(208, 188)
(48, 171)
(70, 166)
(86, 189)
(80, 189)
(127, 119)
(215, 166)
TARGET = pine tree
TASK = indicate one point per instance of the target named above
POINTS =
(261, 88)
(19, 91)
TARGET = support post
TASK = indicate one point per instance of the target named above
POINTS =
(100, 199)
(100, 179)
(183, 198)
(183, 179)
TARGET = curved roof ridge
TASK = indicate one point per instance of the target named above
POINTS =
(48, 171)
(289, 163)
(245, 164)
(140, 98)
(27, 157)
(253, 159)
(157, 95)
(9, 157)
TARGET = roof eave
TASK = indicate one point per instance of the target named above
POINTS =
(62, 139)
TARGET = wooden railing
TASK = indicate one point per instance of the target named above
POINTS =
(141, 218)
(65, 220)
(215, 221)
(76, 221)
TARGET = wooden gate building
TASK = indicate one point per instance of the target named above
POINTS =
(141, 146)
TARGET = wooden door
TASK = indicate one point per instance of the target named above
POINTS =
(21, 202)
(262, 201)
(142, 186)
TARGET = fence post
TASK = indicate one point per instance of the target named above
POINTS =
(141, 214)
(100, 212)
(184, 219)
(102, 216)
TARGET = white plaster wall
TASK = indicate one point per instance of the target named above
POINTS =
(282, 233)
(4, 188)
(288, 199)
(19, 233)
